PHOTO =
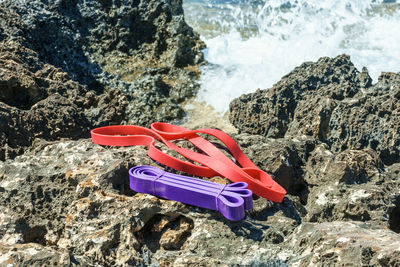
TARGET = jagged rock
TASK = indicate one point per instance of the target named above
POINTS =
(352, 185)
(325, 134)
(71, 35)
(32, 254)
(80, 205)
(56, 58)
(281, 158)
(358, 202)
(43, 102)
(331, 101)
(349, 166)
(145, 49)
(272, 110)
(9, 234)
(39, 195)
(345, 243)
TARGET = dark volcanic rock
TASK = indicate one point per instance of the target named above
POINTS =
(331, 101)
(69, 66)
(347, 167)
(282, 158)
(352, 185)
(41, 101)
(74, 35)
(143, 48)
(342, 176)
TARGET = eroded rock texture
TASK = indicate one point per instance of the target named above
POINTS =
(69, 66)
(143, 48)
(331, 138)
(345, 243)
(324, 132)
(79, 210)
(331, 101)
(42, 101)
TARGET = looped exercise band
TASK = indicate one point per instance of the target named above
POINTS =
(214, 162)
(231, 200)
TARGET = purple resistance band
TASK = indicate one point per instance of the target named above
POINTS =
(231, 200)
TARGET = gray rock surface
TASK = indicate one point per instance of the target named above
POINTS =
(284, 159)
(331, 101)
(346, 174)
(79, 210)
(82, 36)
(345, 244)
(352, 185)
(32, 254)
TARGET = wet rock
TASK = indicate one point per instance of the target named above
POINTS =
(345, 243)
(331, 101)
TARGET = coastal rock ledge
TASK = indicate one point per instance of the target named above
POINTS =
(67, 66)
(324, 132)
(331, 101)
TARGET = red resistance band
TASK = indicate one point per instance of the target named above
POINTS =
(214, 162)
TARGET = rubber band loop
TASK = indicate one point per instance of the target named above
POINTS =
(212, 163)
(217, 196)
(155, 180)
(230, 200)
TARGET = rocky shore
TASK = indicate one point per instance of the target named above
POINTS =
(325, 132)
(69, 66)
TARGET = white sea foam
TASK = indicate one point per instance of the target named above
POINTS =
(252, 44)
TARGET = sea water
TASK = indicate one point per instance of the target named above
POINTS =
(253, 43)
